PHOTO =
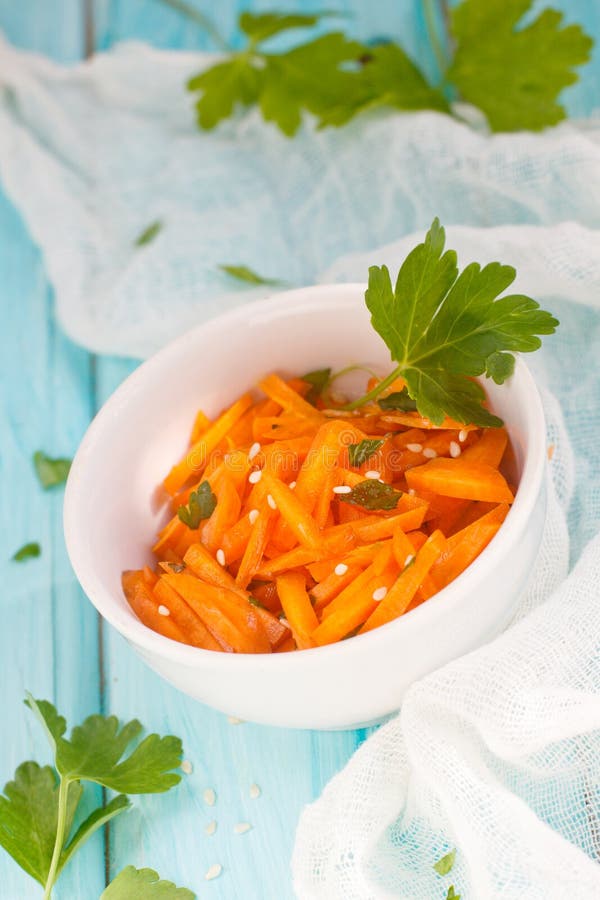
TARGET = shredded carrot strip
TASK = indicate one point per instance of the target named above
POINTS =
(196, 458)
(397, 600)
(297, 608)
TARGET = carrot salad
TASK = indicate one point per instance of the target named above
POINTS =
(297, 523)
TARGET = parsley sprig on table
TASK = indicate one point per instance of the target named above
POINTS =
(444, 328)
(39, 822)
(513, 72)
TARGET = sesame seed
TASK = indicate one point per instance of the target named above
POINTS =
(379, 594)
(233, 720)
(342, 489)
(163, 611)
(292, 485)
(373, 474)
(426, 423)
(253, 516)
(409, 559)
(214, 872)
(454, 449)
(414, 448)
(255, 792)
(242, 828)
(285, 622)
(429, 453)
(254, 477)
(211, 828)
(341, 569)
(412, 492)
(210, 798)
(462, 435)
(254, 450)
(220, 554)
(271, 502)
(187, 767)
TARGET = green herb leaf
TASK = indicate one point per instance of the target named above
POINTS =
(243, 273)
(254, 602)
(360, 453)
(27, 551)
(96, 820)
(29, 814)
(50, 472)
(149, 233)
(372, 494)
(451, 895)
(143, 884)
(261, 26)
(444, 328)
(446, 863)
(388, 78)
(95, 749)
(515, 72)
(177, 567)
(398, 400)
(310, 77)
(319, 379)
(200, 506)
(224, 86)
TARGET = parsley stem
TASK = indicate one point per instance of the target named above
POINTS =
(375, 392)
(187, 9)
(61, 821)
(431, 22)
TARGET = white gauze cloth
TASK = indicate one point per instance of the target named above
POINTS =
(498, 753)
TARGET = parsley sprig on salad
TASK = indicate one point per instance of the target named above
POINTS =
(443, 328)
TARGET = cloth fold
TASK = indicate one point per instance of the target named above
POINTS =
(497, 753)
(92, 154)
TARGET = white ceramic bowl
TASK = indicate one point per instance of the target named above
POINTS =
(110, 519)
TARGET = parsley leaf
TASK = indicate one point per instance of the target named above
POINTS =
(310, 77)
(243, 273)
(372, 494)
(398, 400)
(515, 72)
(149, 233)
(451, 895)
(261, 26)
(200, 506)
(224, 86)
(388, 78)
(361, 452)
(29, 815)
(96, 747)
(446, 863)
(143, 884)
(27, 551)
(50, 472)
(319, 379)
(444, 328)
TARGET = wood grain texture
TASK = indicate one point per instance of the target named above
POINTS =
(52, 642)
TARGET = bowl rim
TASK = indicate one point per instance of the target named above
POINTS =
(148, 640)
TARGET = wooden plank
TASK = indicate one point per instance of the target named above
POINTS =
(49, 639)
(48, 642)
(53, 27)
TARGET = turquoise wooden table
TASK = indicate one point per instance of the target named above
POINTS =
(52, 641)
